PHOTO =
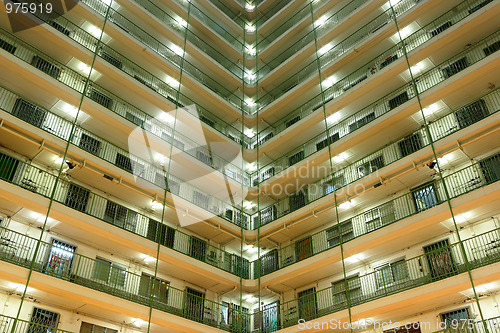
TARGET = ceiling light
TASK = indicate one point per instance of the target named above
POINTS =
(156, 205)
(249, 7)
(181, 22)
(84, 68)
(251, 167)
(177, 50)
(250, 27)
(249, 132)
(321, 20)
(329, 81)
(148, 259)
(354, 259)
(171, 81)
(94, 31)
(339, 158)
(345, 205)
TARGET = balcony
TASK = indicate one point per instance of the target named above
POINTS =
(414, 202)
(10, 324)
(346, 84)
(479, 251)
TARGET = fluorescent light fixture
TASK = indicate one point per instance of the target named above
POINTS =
(166, 118)
(250, 76)
(138, 322)
(345, 205)
(84, 68)
(354, 259)
(160, 158)
(250, 299)
(324, 49)
(321, 20)
(416, 69)
(248, 205)
(430, 109)
(249, 7)
(330, 81)
(94, 31)
(339, 158)
(249, 132)
(106, 2)
(250, 102)
(251, 167)
(58, 160)
(156, 205)
(333, 118)
(149, 259)
(250, 27)
(177, 49)
(181, 22)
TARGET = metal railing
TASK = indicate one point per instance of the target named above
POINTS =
(84, 200)
(344, 85)
(105, 98)
(463, 117)
(110, 278)
(133, 69)
(335, 52)
(417, 200)
(436, 264)
(429, 31)
(11, 325)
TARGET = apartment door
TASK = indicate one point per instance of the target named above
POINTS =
(194, 302)
(60, 258)
(307, 304)
(440, 259)
(303, 248)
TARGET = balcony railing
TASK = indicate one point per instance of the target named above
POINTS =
(477, 53)
(11, 325)
(228, 12)
(491, 325)
(112, 279)
(106, 277)
(318, 30)
(437, 264)
(133, 69)
(335, 52)
(97, 146)
(387, 213)
(105, 98)
(434, 28)
(82, 199)
(396, 150)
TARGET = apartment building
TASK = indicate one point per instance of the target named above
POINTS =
(265, 166)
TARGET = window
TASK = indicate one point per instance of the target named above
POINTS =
(471, 113)
(361, 122)
(28, 112)
(198, 248)
(380, 216)
(333, 235)
(43, 321)
(109, 272)
(155, 286)
(391, 273)
(77, 197)
(8, 167)
(490, 167)
(339, 293)
(120, 216)
(425, 197)
(303, 248)
(194, 304)
(268, 214)
(89, 144)
(398, 100)
(455, 67)
(93, 328)
(410, 144)
(297, 200)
